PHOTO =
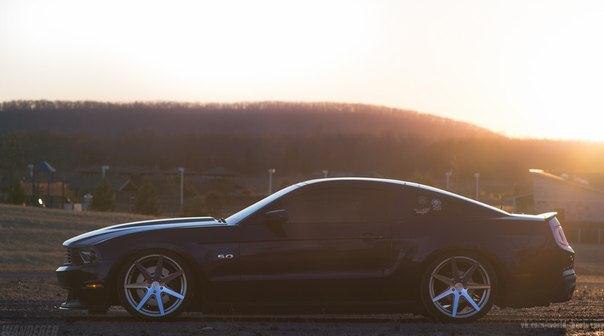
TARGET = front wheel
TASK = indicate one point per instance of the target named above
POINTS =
(155, 285)
(458, 287)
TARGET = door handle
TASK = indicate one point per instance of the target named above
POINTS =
(369, 235)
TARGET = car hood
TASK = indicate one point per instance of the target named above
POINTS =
(103, 234)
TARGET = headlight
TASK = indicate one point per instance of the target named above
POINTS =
(88, 256)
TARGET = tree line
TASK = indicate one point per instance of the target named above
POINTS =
(499, 158)
(294, 138)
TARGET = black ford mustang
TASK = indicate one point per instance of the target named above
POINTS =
(337, 245)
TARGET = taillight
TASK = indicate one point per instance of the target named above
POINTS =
(559, 235)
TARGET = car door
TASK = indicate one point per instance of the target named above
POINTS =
(334, 245)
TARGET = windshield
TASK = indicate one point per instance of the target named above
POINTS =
(237, 217)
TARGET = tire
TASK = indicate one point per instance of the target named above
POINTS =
(152, 295)
(462, 296)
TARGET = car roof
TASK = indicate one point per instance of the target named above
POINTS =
(353, 179)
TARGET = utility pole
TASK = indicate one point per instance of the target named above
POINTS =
(448, 178)
(477, 178)
(33, 183)
(104, 170)
(325, 173)
(181, 170)
(270, 180)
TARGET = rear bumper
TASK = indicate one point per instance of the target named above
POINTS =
(87, 285)
(540, 291)
(566, 287)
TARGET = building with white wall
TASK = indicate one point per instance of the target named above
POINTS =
(573, 198)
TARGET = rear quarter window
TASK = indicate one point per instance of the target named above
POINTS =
(433, 204)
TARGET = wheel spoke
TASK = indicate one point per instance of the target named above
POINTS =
(455, 304)
(444, 294)
(468, 274)
(470, 300)
(171, 276)
(160, 303)
(144, 299)
(454, 269)
(159, 267)
(170, 291)
(443, 279)
(473, 285)
(137, 286)
(143, 271)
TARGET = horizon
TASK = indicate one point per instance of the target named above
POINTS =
(522, 70)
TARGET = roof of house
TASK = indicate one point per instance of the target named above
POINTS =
(44, 166)
(573, 182)
(85, 183)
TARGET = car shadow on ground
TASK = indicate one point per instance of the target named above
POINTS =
(118, 321)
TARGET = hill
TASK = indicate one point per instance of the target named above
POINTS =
(261, 118)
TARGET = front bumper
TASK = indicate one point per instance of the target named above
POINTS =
(88, 285)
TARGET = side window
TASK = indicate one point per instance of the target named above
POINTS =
(321, 206)
(379, 205)
(337, 205)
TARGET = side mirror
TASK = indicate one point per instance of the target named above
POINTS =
(276, 217)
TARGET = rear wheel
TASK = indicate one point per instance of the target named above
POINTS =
(458, 288)
(155, 285)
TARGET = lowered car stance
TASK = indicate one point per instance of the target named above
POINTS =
(328, 245)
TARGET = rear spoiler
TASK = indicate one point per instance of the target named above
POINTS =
(547, 215)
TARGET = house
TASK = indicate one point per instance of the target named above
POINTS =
(573, 198)
(83, 186)
(580, 206)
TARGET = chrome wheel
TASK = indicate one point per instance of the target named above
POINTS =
(459, 287)
(155, 285)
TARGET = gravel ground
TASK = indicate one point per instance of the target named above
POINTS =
(27, 301)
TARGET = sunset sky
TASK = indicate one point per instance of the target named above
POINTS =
(521, 67)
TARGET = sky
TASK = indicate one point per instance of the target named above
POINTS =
(525, 68)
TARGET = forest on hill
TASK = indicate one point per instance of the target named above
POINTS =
(260, 118)
(295, 138)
